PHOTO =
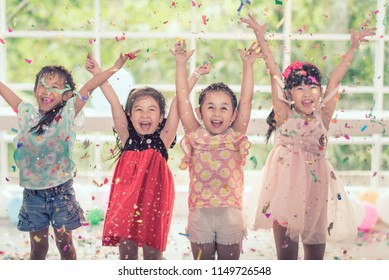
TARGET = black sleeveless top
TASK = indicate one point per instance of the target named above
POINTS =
(136, 142)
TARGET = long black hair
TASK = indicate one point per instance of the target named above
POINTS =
(294, 75)
(49, 116)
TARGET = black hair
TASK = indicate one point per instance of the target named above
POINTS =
(219, 87)
(308, 74)
(49, 116)
(134, 95)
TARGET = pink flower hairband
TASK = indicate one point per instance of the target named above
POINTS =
(297, 65)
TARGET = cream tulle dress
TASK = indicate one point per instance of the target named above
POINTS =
(299, 188)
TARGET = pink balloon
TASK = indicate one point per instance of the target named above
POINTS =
(371, 216)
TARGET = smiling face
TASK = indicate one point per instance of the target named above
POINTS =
(306, 97)
(50, 91)
(216, 112)
(146, 115)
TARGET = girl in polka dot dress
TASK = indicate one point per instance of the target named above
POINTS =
(142, 192)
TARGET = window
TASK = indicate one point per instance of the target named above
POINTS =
(36, 33)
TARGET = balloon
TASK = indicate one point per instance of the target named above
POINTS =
(122, 82)
(369, 195)
(383, 207)
(14, 207)
(371, 216)
(5, 198)
(95, 216)
(358, 209)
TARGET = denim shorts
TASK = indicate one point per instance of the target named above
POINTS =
(56, 206)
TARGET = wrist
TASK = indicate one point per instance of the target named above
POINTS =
(197, 75)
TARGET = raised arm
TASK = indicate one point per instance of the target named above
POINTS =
(9, 96)
(118, 114)
(280, 107)
(96, 81)
(185, 108)
(248, 57)
(338, 73)
(201, 70)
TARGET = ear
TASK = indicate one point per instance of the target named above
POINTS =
(67, 95)
(160, 119)
(198, 113)
(233, 117)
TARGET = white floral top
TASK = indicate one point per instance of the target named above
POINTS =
(45, 160)
(216, 168)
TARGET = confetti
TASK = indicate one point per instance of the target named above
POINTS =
(36, 238)
(313, 175)
(9, 29)
(339, 196)
(204, 20)
(14, 130)
(345, 159)
(280, 23)
(347, 136)
(278, 2)
(184, 234)
(2, 41)
(28, 60)
(330, 226)
(130, 56)
(13, 168)
(363, 128)
(333, 175)
(254, 160)
(199, 255)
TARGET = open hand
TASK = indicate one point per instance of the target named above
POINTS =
(360, 36)
(250, 54)
(259, 29)
(180, 53)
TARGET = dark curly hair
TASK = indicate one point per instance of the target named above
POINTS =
(309, 74)
(219, 87)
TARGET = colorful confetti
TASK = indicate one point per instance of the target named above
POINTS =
(313, 175)
(254, 160)
(278, 2)
(28, 60)
(2, 41)
(363, 128)
(204, 18)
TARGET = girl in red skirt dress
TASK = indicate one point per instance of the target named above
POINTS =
(142, 192)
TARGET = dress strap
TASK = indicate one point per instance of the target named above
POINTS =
(280, 90)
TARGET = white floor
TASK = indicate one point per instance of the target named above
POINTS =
(259, 245)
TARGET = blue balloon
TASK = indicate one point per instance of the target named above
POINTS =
(13, 208)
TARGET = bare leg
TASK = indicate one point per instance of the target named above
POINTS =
(128, 250)
(228, 252)
(150, 253)
(205, 251)
(286, 248)
(64, 241)
(314, 251)
(39, 244)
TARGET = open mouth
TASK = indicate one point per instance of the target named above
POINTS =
(145, 126)
(307, 103)
(47, 100)
(216, 124)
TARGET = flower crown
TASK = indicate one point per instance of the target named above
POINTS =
(296, 65)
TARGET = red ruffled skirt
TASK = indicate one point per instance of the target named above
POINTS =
(141, 200)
